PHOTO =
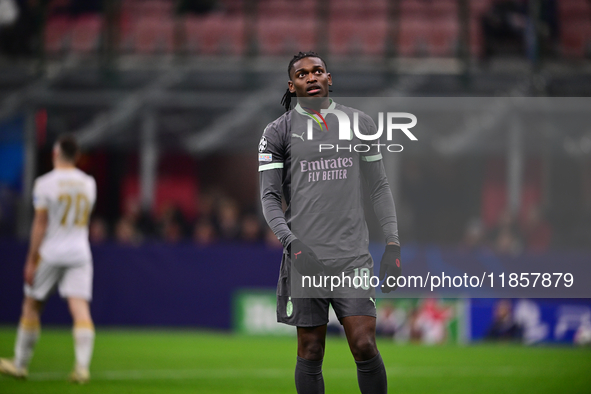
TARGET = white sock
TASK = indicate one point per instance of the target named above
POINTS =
(83, 343)
(27, 335)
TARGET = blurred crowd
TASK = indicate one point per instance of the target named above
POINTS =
(510, 236)
(426, 322)
(220, 220)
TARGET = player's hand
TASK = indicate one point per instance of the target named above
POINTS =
(390, 266)
(304, 259)
(29, 272)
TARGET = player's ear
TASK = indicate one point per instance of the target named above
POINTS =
(329, 77)
(290, 86)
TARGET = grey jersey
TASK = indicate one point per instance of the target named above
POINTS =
(322, 189)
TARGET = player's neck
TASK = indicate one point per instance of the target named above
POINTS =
(63, 166)
(316, 103)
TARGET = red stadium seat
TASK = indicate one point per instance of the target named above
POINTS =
(361, 10)
(413, 9)
(285, 36)
(354, 36)
(153, 8)
(126, 39)
(286, 9)
(414, 37)
(233, 7)
(444, 37)
(58, 32)
(576, 39)
(86, 33)
(215, 34)
(570, 10)
(180, 191)
(444, 9)
(479, 7)
(153, 35)
(476, 37)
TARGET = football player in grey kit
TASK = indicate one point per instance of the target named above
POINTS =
(323, 230)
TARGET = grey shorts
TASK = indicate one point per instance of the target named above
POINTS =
(306, 311)
(71, 281)
(312, 312)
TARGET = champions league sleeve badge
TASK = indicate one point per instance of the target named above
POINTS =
(263, 144)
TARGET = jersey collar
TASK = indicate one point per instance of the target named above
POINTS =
(301, 111)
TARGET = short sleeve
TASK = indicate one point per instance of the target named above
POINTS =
(40, 196)
(271, 150)
(368, 127)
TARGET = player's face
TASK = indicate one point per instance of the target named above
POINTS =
(309, 78)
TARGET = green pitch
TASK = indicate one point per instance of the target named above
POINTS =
(143, 361)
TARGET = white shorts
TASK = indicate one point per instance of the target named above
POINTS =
(72, 281)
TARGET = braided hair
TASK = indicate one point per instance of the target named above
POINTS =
(286, 100)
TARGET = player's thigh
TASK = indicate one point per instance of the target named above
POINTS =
(361, 336)
(44, 283)
(345, 307)
(76, 282)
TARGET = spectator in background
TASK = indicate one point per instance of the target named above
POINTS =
(251, 229)
(172, 232)
(536, 231)
(387, 323)
(207, 206)
(506, 238)
(414, 331)
(503, 326)
(475, 235)
(431, 321)
(139, 218)
(125, 233)
(229, 223)
(204, 232)
(97, 231)
(172, 225)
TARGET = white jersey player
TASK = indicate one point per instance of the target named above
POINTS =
(59, 256)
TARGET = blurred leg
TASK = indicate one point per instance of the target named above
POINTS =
(83, 331)
(28, 332)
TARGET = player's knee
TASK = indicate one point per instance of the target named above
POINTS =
(311, 350)
(364, 348)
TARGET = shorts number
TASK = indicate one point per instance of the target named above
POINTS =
(361, 278)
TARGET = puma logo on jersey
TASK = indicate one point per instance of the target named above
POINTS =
(299, 136)
(373, 300)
